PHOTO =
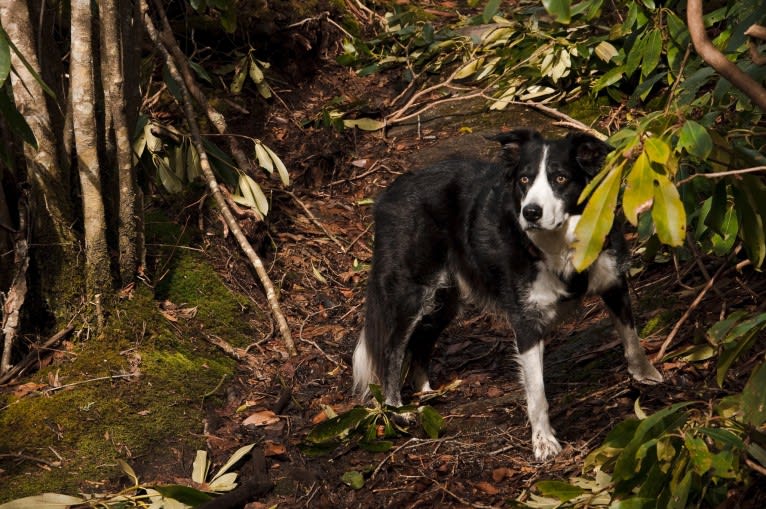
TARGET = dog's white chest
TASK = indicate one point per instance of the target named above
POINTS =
(549, 288)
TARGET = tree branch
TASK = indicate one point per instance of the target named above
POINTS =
(220, 200)
(717, 60)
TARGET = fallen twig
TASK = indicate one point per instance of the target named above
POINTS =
(212, 183)
(316, 221)
(34, 356)
(693, 306)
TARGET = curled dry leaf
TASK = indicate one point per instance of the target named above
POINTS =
(261, 418)
(486, 488)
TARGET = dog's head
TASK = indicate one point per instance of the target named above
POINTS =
(548, 175)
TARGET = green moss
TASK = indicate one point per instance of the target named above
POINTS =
(138, 417)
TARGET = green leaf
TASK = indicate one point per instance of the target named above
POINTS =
(652, 52)
(563, 491)
(719, 207)
(559, 9)
(5, 57)
(668, 212)
(239, 77)
(16, 120)
(376, 445)
(31, 69)
(596, 220)
(625, 466)
(200, 71)
(339, 426)
(44, 501)
(431, 421)
(183, 494)
(609, 78)
(700, 456)
(694, 139)
(680, 493)
(168, 178)
(723, 436)
(639, 191)
(634, 503)
(754, 397)
(720, 330)
(752, 229)
(490, 10)
(353, 478)
(173, 87)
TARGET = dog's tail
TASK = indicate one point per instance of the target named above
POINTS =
(369, 355)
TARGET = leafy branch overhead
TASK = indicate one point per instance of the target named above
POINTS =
(683, 119)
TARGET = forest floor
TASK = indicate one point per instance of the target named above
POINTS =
(483, 457)
(316, 244)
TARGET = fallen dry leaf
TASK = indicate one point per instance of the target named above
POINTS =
(262, 418)
(24, 389)
(273, 449)
(487, 488)
(501, 473)
(494, 392)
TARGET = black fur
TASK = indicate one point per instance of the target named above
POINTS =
(452, 231)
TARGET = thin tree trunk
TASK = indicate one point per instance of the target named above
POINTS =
(55, 247)
(97, 278)
(113, 83)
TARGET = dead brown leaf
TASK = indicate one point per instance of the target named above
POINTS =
(487, 488)
(24, 389)
(261, 418)
(273, 448)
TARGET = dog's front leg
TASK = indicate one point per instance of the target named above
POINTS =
(618, 302)
(530, 359)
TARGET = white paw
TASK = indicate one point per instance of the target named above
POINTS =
(645, 373)
(545, 445)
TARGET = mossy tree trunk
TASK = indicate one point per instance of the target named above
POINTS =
(83, 140)
(55, 248)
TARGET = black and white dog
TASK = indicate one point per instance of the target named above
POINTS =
(499, 236)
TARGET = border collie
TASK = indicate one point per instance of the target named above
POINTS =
(499, 236)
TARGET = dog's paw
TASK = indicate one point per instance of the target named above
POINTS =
(545, 446)
(645, 373)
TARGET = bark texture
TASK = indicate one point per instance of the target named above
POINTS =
(113, 82)
(97, 277)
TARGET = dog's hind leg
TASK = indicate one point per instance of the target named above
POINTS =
(530, 359)
(617, 301)
(446, 305)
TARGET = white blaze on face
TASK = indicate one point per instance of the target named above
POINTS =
(541, 193)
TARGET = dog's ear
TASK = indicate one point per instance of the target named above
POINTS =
(512, 141)
(589, 152)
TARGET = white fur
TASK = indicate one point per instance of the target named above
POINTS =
(540, 193)
(544, 440)
(545, 293)
(363, 374)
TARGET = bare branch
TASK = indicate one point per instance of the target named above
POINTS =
(717, 60)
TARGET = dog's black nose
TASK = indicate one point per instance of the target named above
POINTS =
(532, 212)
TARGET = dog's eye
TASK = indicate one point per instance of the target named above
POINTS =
(524, 180)
(561, 179)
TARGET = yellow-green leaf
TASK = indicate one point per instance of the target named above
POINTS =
(657, 150)
(639, 191)
(365, 124)
(668, 212)
(256, 74)
(239, 77)
(468, 69)
(596, 221)
(606, 51)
